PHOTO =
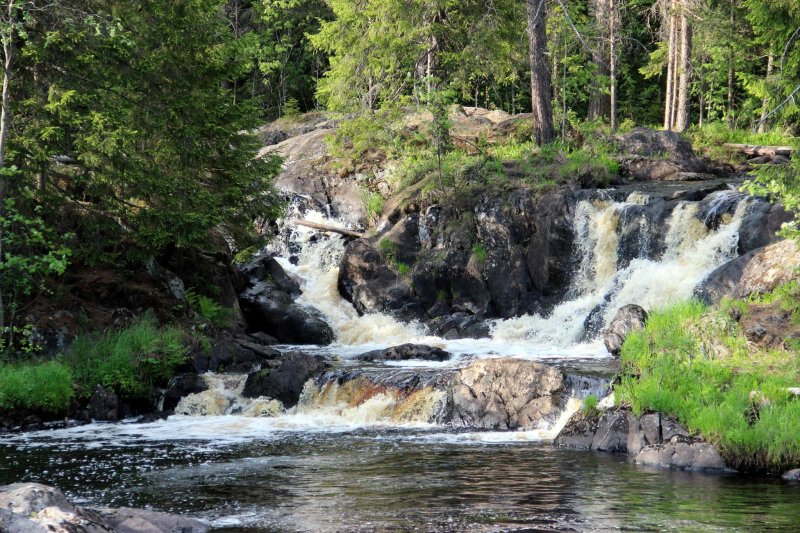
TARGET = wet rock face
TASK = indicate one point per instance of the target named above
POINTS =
(269, 307)
(628, 318)
(104, 404)
(405, 352)
(756, 272)
(505, 394)
(285, 381)
(36, 508)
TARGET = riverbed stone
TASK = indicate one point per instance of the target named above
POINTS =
(144, 521)
(579, 431)
(505, 394)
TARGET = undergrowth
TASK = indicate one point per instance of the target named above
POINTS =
(693, 362)
(130, 361)
(36, 386)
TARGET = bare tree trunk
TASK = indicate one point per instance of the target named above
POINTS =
(5, 122)
(612, 61)
(668, 101)
(599, 103)
(729, 112)
(682, 112)
(762, 124)
(541, 106)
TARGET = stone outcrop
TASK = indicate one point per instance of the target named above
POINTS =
(405, 352)
(285, 381)
(651, 439)
(651, 155)
(758, 271)
(35, 508)
(269, 306)
(505, 394)
(629, 318)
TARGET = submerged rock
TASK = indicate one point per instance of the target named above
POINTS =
(36, 508)
(405, 352)
(628, 318)
(792, 475)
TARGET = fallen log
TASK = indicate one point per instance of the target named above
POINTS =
(756, 150)
(331, 229)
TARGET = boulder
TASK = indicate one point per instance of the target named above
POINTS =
(36, 508)
(269, 307)
(579, 432)
(506, 394)
(629, 318)
(180, 386)
(226, 353)
(405, 352)
(758, 271)
(285, 381)
(680, 454)
(104, 404)
(612, 432)
(650, 155)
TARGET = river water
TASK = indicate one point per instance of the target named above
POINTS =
(331, 465)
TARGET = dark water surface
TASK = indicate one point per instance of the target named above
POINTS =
(409, 480)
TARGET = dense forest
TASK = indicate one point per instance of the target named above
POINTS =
(126, 126)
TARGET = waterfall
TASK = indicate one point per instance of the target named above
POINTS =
(692, 250)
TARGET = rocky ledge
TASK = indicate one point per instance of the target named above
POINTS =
(651, 439)
(35, 508)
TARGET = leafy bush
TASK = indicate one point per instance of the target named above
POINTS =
(694, 363)
(210, 310)
(131, 361)
(41, 387)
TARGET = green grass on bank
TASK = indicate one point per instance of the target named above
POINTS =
(130, 361)
(693, 362)
(40, 386)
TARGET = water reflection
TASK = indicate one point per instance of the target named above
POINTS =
(401, 480)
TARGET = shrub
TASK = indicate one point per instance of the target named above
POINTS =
(36, 386)
(131, 361)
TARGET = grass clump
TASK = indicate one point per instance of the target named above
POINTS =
(479, 250)
(209, 310)
(38, 386)
(692, 362)
(130, 361)
(373, 201)
(589, 407)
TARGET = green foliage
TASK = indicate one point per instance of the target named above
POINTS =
(44, 387)
(31, 252)
(209, 310)
(712, 136)
(373, 201)
(402, 268)
(479, 251)
(781, 182)
(589, 407)
(387, 247)
(693, 363)
(130, 361)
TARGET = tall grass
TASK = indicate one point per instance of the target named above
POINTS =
(693, 363)
(39, 386)
(130, 361)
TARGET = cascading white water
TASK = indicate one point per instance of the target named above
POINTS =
(317, 272)
(692, 250)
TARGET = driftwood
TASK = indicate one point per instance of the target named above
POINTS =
(755, 150)
(332, 229)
